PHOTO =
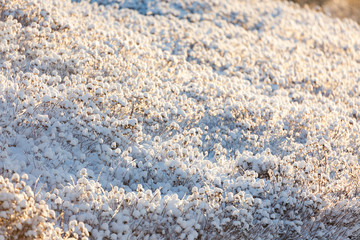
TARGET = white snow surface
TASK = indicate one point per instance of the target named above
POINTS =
(184, 119)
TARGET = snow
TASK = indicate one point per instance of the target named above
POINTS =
(178, 120)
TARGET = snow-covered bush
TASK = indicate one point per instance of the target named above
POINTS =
(21, 215)
(178, 120)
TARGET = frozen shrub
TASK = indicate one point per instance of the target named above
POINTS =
(21, 216)
(178, 120)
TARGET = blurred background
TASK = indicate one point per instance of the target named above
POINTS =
(336, 8)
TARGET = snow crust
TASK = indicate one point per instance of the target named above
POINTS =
(178, 120)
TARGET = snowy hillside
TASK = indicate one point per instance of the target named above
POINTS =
(193, 119)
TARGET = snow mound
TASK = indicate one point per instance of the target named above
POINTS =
(178, 120)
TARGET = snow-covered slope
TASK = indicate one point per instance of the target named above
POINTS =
(178, 120)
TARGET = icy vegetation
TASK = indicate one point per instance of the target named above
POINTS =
(193, 119)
